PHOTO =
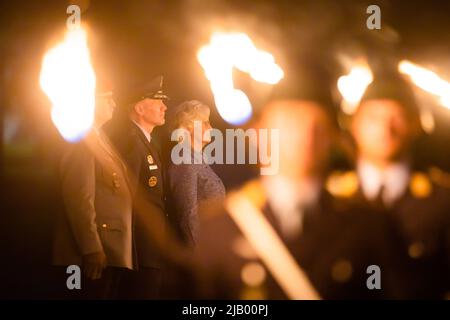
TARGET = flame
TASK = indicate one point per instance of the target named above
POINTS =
(427, 80)
(445, 101)
(353, 85)
(235, 50)
(68, 79)
(427, 121)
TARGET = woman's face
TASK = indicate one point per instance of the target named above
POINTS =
(204, 137)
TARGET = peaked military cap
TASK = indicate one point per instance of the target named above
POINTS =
(146, 90)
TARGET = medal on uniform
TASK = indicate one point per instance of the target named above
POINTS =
(150, 159)
(116, 182)
(152, 181)
(342, 185)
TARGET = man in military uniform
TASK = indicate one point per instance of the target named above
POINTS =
(329, 241)
(384, 128)
(143, 109)
(95, 231)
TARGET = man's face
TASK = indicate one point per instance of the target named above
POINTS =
(152, 111)
(383, 130)
(104, 109)
(305, 134)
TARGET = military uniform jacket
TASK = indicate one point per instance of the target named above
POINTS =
(145, 172)
(98, 207)
(421, 218)
(335, 247)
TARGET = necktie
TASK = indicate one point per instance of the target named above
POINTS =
(379, 200)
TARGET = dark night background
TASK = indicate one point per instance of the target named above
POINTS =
(136, 40)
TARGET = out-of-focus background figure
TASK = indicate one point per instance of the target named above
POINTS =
(330, 240)
(95, 229)
(385, 128)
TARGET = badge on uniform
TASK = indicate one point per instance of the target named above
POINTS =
(152, 181)
(150, 159)
(116, 182)
(152, 167)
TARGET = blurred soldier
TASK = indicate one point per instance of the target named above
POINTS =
(329, 241)
(384, 128)
(143, 109)
(96, 230)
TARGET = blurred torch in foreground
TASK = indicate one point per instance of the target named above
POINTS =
(427, 80)
(68, 79)
(245, 209)
(228, 50)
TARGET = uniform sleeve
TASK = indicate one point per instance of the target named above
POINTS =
(78, 191)
(133, 159)
(447, 252)
(183, 186)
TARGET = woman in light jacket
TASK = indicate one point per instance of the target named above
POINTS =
(194, 186)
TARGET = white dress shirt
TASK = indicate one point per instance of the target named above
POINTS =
(394, 178)
(287, 197)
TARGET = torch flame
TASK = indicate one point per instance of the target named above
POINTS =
(427, 80)
(68, 79)
(445, 101)
(353, 86)
(228, 50)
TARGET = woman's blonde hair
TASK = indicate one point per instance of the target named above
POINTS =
(189, 111)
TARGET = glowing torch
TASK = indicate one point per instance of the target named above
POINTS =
(427, 80)
(353, 85)
(68, 79)
(235, 50)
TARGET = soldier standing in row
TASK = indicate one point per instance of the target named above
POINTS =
(332, 242)
(95, 231)
(143, 109)
(385, 127)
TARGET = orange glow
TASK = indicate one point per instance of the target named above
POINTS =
(353, 85)
(427, 80)
(235, 50)
(68, 79)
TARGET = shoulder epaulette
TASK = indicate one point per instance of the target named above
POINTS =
(342, 184)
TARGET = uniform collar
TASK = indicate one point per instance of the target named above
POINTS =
(394, 179)
(145, 132)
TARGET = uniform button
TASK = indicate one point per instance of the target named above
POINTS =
(104, 225)
(416, 249)
(114, 174)
(341, 271)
